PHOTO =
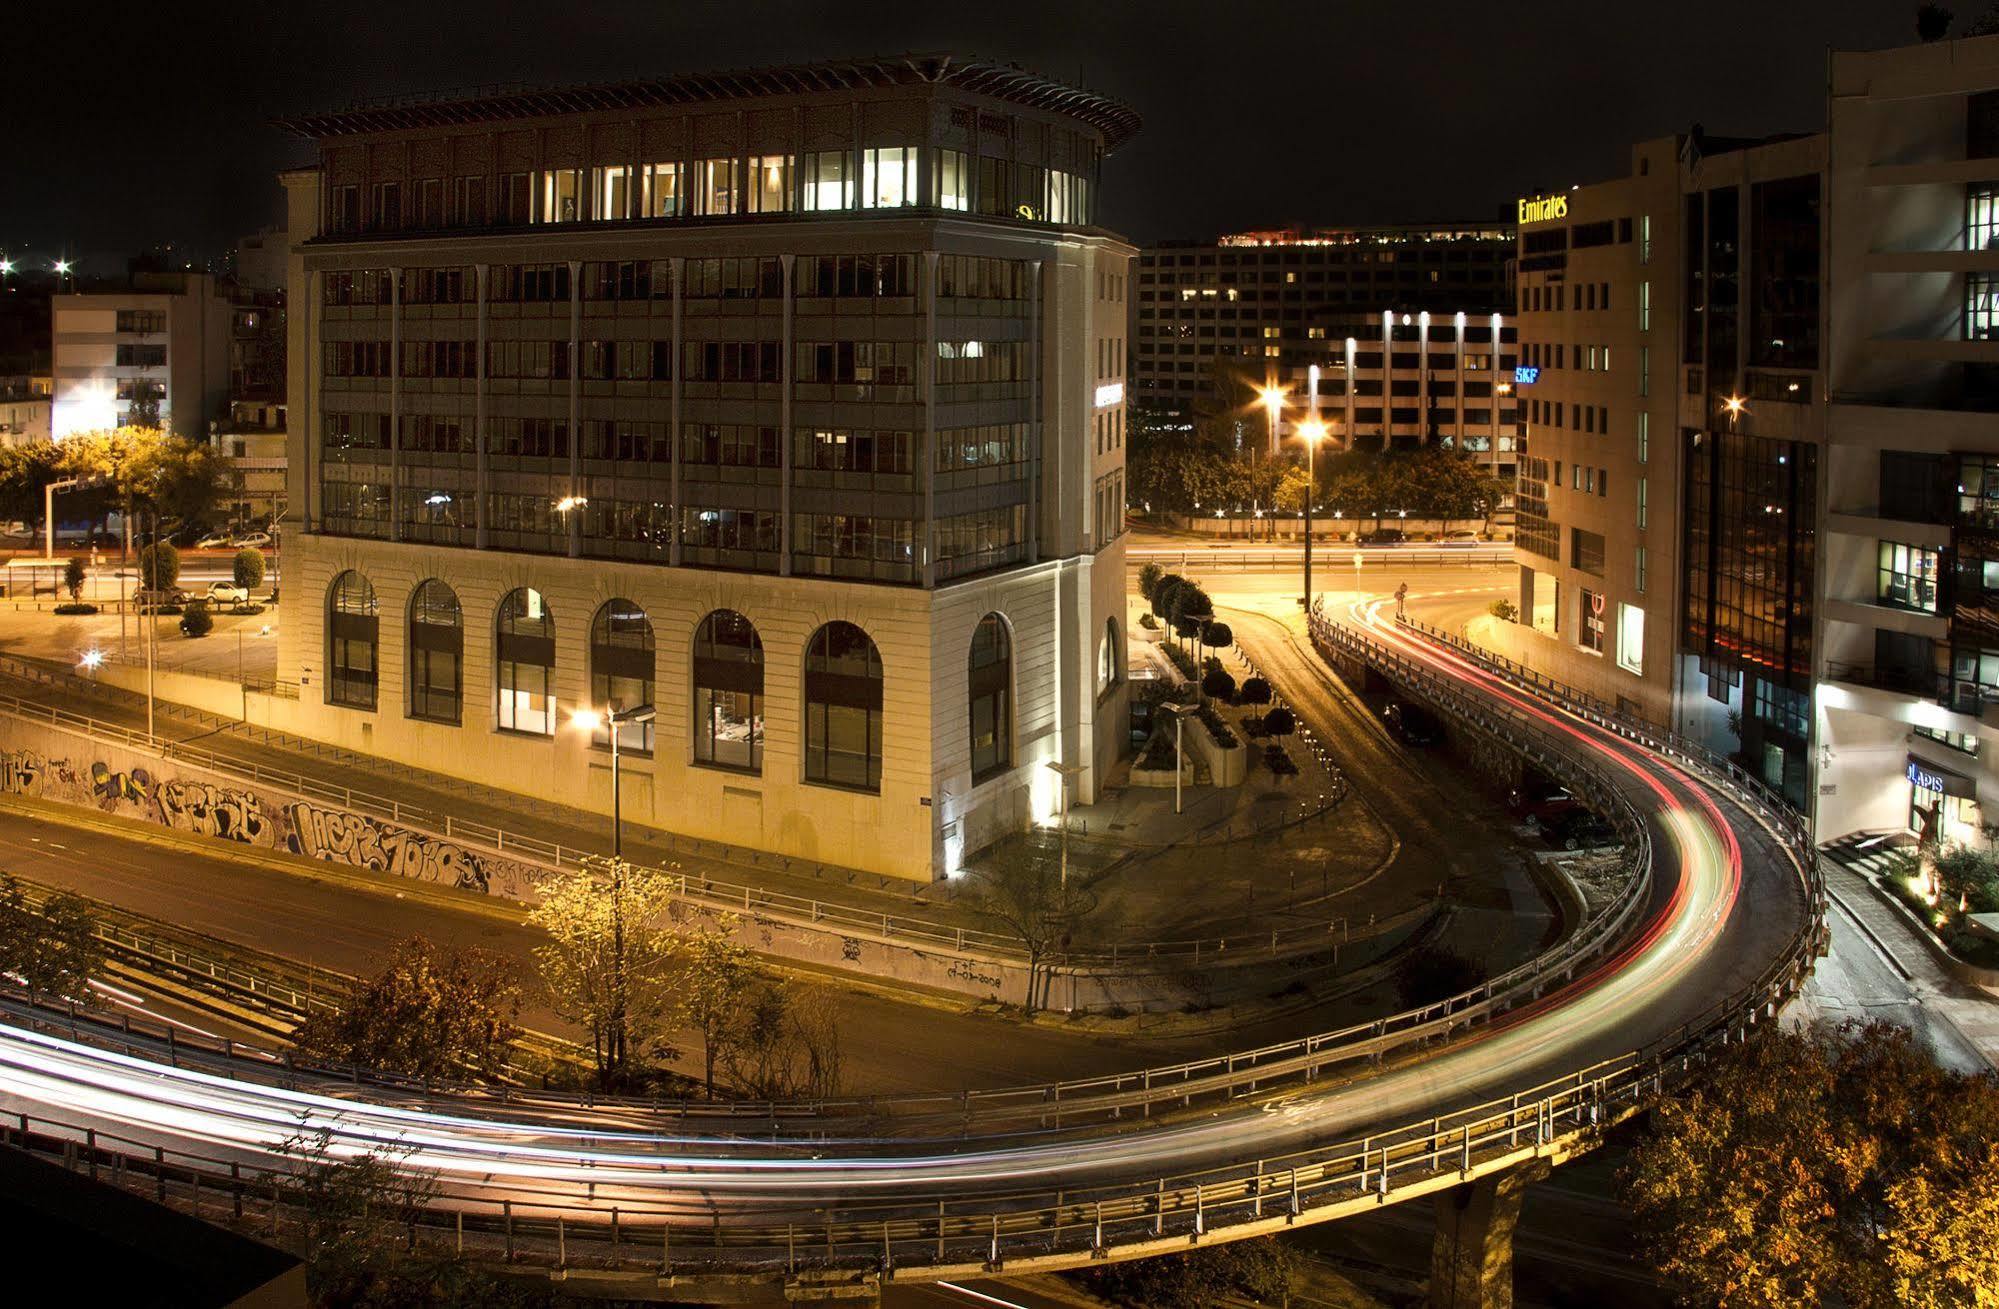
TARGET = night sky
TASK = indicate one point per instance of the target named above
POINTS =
(125, 127)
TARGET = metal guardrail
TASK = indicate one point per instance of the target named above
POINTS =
(881, 1240)
(1328, 559)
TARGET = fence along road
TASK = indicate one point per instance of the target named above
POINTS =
(1730, 924)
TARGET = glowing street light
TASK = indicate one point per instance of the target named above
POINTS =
(1311, 431)
(1273, 404)
(1734, 406)
(92, 660)
(592, 720)
(569, 502)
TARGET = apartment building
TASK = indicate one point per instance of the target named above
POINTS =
(1908, 709)
(788, 402)
(251, 443)
(26, 405)
(163, 337)
(1404, 323)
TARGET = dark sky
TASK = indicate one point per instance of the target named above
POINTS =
(123, 126)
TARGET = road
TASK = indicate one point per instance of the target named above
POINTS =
(1725, 901)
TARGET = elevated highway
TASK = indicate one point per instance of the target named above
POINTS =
(1720, 922)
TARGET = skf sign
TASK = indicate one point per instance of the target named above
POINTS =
(1544, 208)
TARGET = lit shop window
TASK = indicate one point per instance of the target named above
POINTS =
(770, 184)
(888, 176)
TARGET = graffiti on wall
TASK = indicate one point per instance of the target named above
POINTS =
(358, 840)
(209, 810)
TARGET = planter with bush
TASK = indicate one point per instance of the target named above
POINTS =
(1155, 765)
(1278, 760)
(74, 609)
(1220, 748)
(196, 621)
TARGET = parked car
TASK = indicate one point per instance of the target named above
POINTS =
(216, 541)
(227, 593)
(1579, 829)
(1384, 536)
(1413, 724)
(1538, 802)
(1461, 538)
(261, 540)
(148, 601)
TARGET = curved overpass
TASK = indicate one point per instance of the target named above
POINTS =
(1721, 929)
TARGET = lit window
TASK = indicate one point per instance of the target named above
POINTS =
(352, 621)
(616, 196)
(728, 693)
(718, 186)
(621, 664)
(1631, 639)
(828, 184)
(954, 180)
(888, 176)
(524, 655)
(662, 190)
(561, 195)
(1908, 577)
(770, 184)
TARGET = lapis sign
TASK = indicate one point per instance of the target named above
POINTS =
(1924, 778)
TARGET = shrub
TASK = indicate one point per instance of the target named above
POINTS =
(1280, 722)
(1159, 753)
(1148, 578)
(1219, 684)
(1981, 951)
(159, 567)
(1164, 591)
(1218, 730)
(1184, 662)
(1905, 891)
(1187, 627)
(1217, 636)
(1278, 760)
(1148, 622)
(74, 574)
(1430, 973)
(196, 620)
(1259, 1270)
(248, 570)
(1255, 691)
(75, 609)
(1504, 610)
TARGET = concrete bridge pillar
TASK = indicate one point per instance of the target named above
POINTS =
(1471, 1259)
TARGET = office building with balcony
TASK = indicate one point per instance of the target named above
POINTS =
(1908, 712)
(163, 337)
(251, 443)
(1410, 327)
(787, 401)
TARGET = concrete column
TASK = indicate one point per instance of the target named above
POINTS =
(395, 532)
(573, 520)
(1471, 1259)
(482, 474)
(679, 366)
(928, 449)
(785, 463)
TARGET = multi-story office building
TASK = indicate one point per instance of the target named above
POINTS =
(1274, 303)
(165, 336)
(788, 402)
(25, 405)
(1908, 714)
(251, 443)
(1671, 325)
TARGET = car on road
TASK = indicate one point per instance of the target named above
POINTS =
(1413, 724)
(261, 540)
(227, 593)
(216, 541)
(1383, 536)
(1537, 802)
(1464, 538)
(1579, 829)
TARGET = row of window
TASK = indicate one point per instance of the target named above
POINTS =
(819, 181)
(843, 679)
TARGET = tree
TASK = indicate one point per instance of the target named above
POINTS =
(1217, 635)
(197, 622)
(74, 574)
(1826, 1165)
(1933, 22)
(52, 947)
(430, 1012)
(1019, 889)
(146, 470)
(1255, 691)
(1148, 578)
(1259, 1270)
(159, 566)
(1289, 494)
(25, 470)
(607, 965)
(1218, 684)
(1429, 973)
(248, 569)
(1280, 722)
(787, 1043)
(719, 986)
(1163, 594)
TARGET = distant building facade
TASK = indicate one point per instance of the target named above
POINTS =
(165, 337)
(251, 444)
(26, 408)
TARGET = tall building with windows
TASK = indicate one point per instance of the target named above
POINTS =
(786, 401)
(1422, 306)
(166, 337)
(1908, 712)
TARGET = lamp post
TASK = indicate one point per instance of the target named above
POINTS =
(1312, 431)
(1065, 772)
(590, 720)
(1178, 712)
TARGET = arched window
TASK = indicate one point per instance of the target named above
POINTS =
(989, 682)
(352, 638)
(621, 663)
(1110, 658)
(843, 708)
(524, 663)
(728, 693)
(437, 653)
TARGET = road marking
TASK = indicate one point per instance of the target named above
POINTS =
(981, 1296)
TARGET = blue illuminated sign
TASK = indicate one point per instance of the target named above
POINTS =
(1526, 376)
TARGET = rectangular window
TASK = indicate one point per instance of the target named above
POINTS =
(770, 184)
(1965, 741)
(1641, 504)
(1631, 639)
(1644, 306)
(1644, 371)
(1644, 435)
(561, 195)
(516, 199)
(1589, 632)
(662, 190)
(430, 203)
(1981, 307)
(388, 206)
(888, 176)
(1638, 564)
(1981, 216)
(829, 184)
(1586, 551)
(954, 180)
(718, 186)
(344, 209)
(468, 201)
(1908, 577)
(614, 193)
(1645, 239)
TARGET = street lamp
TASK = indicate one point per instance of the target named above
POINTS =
(1312, 431)
(1065, 772)
(1178, 713)
(1273, 404)
(589, 720)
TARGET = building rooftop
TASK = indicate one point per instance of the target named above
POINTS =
(1117, 122)
(1377, 234)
